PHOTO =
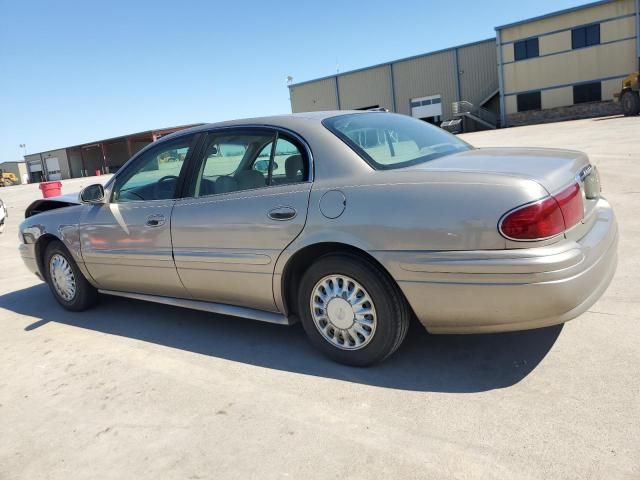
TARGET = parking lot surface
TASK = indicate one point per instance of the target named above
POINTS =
(138, 390)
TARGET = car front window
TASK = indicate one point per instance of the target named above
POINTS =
(155, 174)
(388, 141)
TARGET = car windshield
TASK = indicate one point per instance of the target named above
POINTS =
(387, 140)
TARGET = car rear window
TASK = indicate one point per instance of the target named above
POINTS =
(387, 140)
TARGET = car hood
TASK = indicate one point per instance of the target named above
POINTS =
(44, 204)
(68, 198)
(551, 168)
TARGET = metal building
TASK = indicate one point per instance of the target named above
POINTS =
(559, 66)
(425, 86)
(93, 158)
(567, 64)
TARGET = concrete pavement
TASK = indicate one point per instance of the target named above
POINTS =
(137, 390)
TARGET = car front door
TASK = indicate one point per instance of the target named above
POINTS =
(248, 199)
(126, 242)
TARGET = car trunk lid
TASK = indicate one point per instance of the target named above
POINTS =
(551, 168)
(554, 169)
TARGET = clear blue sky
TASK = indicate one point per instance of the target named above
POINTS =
(76, 71)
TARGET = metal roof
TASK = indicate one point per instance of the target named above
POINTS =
(555, 14)
(11, 161)
(114, 139)
(413, 57)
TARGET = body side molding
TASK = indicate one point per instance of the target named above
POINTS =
(220, 308)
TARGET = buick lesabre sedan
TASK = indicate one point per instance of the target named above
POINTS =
(352, 222)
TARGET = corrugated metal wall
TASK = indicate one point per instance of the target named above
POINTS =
(366, 88)
(314, 96)
(478, 71)
(422, 76)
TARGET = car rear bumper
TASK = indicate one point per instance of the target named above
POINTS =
(504, 290)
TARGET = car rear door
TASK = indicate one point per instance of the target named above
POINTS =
(247, 200)
(126, 243)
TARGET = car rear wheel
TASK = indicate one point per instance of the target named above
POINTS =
(67, 283)
(351, 310)
(630, 103)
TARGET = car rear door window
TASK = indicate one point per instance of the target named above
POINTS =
(288, 166)
(227, 160)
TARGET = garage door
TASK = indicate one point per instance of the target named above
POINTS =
(427, 108)
(53, 169)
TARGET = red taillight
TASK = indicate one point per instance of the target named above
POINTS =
(570, 201)
(544, 218)
(538, 220)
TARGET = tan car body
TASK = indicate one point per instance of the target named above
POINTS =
(433, 227)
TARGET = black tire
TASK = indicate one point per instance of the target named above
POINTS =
(393, 314)
(630, 103)
(85, 296)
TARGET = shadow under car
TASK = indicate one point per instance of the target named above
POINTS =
(436, 363)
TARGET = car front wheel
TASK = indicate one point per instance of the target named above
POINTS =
(67, 283)
(351, 310)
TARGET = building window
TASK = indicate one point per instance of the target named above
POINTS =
(526, 49)
(585, 36)
(587, 92)
(529, 101)
(424, 103)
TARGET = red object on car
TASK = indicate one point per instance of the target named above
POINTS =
(545, 218)
(51, 189)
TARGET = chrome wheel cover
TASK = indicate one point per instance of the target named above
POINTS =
(343, 312)
(62, 277)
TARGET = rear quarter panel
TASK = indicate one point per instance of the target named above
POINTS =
(419, 211)
(389, 214)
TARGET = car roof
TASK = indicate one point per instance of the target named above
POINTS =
(284, 120)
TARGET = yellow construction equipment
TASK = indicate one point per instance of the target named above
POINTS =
(7, 179)
(629, 94)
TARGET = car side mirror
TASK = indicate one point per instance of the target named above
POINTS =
(263, 166)
(92, 194)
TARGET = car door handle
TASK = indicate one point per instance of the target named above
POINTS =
(155, 220)
(282, 213)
